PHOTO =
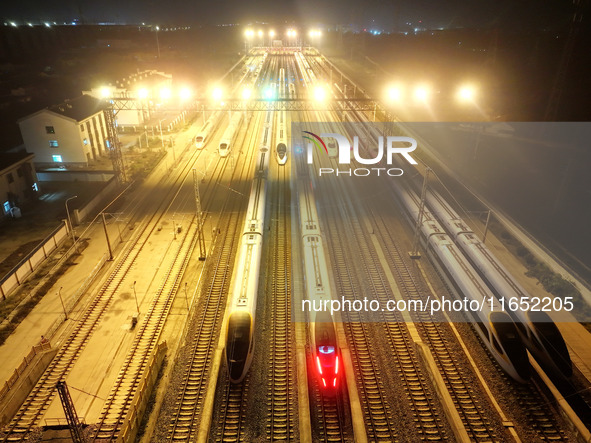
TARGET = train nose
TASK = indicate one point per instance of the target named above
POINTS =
(236, 370)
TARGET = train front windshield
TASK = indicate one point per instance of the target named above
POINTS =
(238, 343)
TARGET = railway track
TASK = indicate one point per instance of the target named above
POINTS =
(378, 413)
(184, 424)
(281, 373)
(475, 417)
(146, 339)
(79, 333)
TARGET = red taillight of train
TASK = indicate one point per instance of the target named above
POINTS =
(327, 364)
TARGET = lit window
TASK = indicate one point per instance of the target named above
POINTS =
(35, 187)
(6, 206)
(53, 144)
(85, 141)
(49, 130)
(57, 158)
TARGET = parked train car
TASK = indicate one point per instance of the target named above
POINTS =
(538, 332)
(326, 354)
(495, 327)
(281, 137)
(239, 349)
(207, 130)
(230, 134)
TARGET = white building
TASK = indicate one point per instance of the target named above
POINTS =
(18, 181)
(73, 133)
(144, 91)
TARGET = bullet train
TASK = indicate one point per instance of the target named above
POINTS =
(537, 330)
(230, 134)
(495, 327)
(239, 348)
(207, 129)
(326, 354)
(281, 149)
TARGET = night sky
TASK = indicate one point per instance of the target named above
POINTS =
(379, 14)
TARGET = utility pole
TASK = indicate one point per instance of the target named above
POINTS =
(107, 235)
(59, 294)
(486, 227)
(70, 412)
(135, 296)
(201, 238)
(415, 243)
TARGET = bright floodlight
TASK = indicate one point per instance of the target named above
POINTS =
(105, 92)
(165, 93)
(217, 94)
(269, 93)
(394, 93)
(319, 93)
(260, 33)
(185, 93)
(422, 93)
(466, 93)
(246, 93)
(271, 33)
(249, 33)
(142, 93)
(157, 28)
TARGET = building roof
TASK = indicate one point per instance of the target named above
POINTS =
(79, 108)
(8, 159)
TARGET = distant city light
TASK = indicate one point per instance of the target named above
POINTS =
(47, 25)
(13, 24)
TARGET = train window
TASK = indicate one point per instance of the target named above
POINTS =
(326, 349)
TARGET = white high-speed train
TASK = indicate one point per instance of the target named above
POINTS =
(239, 348)
(325, 351)
(281, 148)
(230, 134)
(495, 327)
(538, 332)
(207, 129)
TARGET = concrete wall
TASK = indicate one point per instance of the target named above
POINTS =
(18, 392)
(32, 261)
(73, 176)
